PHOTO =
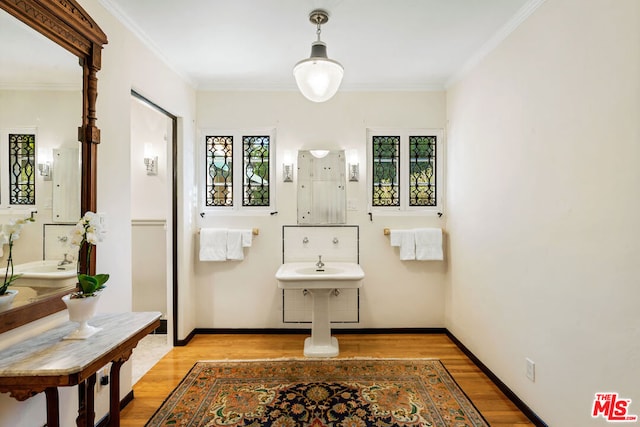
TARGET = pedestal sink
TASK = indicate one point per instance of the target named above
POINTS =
(320, 282)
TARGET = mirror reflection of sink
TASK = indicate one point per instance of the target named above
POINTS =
(45, 274)
(306, 275)
(320, 282)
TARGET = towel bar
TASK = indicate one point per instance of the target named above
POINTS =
(387, 231)
(254, 231)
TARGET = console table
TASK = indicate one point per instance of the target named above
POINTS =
(46, 362)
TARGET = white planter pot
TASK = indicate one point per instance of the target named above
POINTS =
(7, 299)
(81, 310)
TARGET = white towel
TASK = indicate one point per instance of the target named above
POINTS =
(405, 239)
(234, 245)
(428, 244)
(247, 238)
(213, 244)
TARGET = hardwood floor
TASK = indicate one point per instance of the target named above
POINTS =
(158, 383)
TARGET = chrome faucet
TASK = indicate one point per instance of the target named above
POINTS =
(65, 261)
(319, 264)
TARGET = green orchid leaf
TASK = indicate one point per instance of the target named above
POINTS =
(92, 284)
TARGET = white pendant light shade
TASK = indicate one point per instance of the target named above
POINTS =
(318, 77)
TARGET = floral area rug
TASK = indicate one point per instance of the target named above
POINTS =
(317, 393)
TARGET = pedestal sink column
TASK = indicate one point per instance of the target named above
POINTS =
(320, 343)
(320, 282)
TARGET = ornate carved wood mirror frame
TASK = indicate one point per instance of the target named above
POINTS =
(68, 25)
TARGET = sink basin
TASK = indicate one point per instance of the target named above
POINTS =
(320, 282)
(306, 275)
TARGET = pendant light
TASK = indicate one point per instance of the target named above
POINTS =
(318, 77)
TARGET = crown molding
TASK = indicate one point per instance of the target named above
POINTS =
(123, 19)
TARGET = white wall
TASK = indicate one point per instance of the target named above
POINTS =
(395, 293)
(150, 194)
(126, 64)
(150, 207)
(543, 181)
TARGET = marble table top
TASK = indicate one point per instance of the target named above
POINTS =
(48, 354)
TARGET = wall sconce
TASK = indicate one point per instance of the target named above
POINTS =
(44, 166)
(287, 167)
(354, 166)
(150, 161)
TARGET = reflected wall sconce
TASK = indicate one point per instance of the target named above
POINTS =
(45, 170)
(318, 77)
(150, 161)
(45, 165)
(287, 167)
(354, 166)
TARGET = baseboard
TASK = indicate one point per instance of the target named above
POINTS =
(336, 331)
(162, 329)
(528, 412)
(185, 341)
(533, 417)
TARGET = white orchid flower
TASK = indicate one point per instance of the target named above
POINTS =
(88, 229)
(95, 222)
(76, 239)
(92, 238)
(12, 228)
(89, 216)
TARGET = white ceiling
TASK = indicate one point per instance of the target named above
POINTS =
(254, 44)
(382, 44)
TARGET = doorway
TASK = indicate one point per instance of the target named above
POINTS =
(153, 150)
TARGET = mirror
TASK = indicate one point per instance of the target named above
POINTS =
(62, 112)
(40, 94)
(321, 187)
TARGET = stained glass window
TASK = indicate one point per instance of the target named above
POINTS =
(22, 160)
(256, 170)
(219, 184)
(251, 152)
(422, 170)
(386, 170)
(405, 170)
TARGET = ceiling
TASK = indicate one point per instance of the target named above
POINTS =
(382, 44)
(29, 61)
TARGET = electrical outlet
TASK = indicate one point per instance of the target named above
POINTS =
(531, 369)
(102, 378)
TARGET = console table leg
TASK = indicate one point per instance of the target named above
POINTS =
(86, 399)
(114, 393)
(53, 415)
